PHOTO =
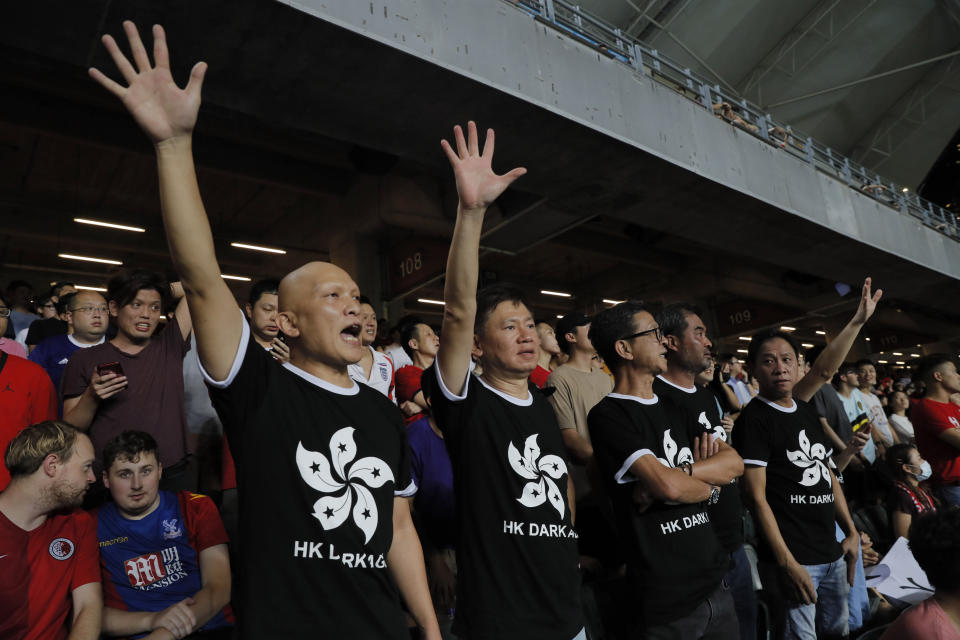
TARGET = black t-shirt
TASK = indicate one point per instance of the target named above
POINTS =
(790, 443)
(673, 556)
(727, 515)
(45, 328)
(517, 575)
(318, 467)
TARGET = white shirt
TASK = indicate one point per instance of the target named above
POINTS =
(398, 356)
(878, 417)
(381, 374)
(903, 427)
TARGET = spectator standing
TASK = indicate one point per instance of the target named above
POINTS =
(395, 350)
(735, 382)
(688, 354)
(661, 474)
(47, 327)
(578, 387)
(867, 377)
(909, 499)
(7, 345)
(935, 543)
(261, 312)
(549, 352)
(510, 477)
(847, 384)
(144, 385)
(49, 583)
(796, 496)
(322, 462)
(19, 293)
(936, 423)
(374, 369)
(87, 318)
(420, 343)
(163, 555)
(899, 403)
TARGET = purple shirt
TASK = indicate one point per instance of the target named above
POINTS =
(430, 466)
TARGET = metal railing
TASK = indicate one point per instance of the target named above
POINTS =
(613, 43)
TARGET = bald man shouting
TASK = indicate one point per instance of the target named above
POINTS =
(322, 463)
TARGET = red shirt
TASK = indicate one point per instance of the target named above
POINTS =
(38, 571)
(539, 376)
(408, 385)
(26, 397)
(931, 418)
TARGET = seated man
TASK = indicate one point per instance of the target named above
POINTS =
(49, 579)
(935, 543)
(163, 555)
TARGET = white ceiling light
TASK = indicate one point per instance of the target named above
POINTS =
(823, 333)
(745, 338)
(256, 247)
(109, 225)
(430, 301)
(71, 256)
(607, 300)
(559, 294)
(742, 351)
(83, 287)
(786, 328)
(240, 278)
(806, 345)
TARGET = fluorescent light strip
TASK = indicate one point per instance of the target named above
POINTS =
(786, 328)
(71, 256)
(901, 362)
(897, 353)
(240, 278)
(914, 355)
(255, 247)
(881, 362)
(613, 302)
(431, 301)
(823, 333)
(559, 294)
(559, 315)
(867, 339)
(742, 351)
(83, 287)
(745, 338)
(109, 225)
(806, 345)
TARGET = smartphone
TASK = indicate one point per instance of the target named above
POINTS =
(860, 422)
(109, 367)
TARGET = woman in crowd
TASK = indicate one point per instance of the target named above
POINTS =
(899, 403)
(909, 499)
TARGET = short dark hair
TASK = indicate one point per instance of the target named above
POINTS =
(935, 543)
(58, 287)
(930, 364)
(364, 300)
(611, 325)
(726, 357)
(260, 287)
(409, 331)
(673, 317)
(16, 284)
(766, 336)
(569, 324)
(897, 456)
(122, 288)
(846, 368)
(128, 445)
(65, 303)
(490, 297)
(864, 362)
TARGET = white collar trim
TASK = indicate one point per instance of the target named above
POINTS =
(692, 389)
(323, 384)
(520, 402)
(779, 407)
(624, 396)
(84, 345)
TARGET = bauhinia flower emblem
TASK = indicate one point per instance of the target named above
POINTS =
(675, 456)
(348, 480)
(813, 461)
(541, 472)
(718, 431)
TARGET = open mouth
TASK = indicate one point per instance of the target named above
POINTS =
(351, 334)
(142, 326)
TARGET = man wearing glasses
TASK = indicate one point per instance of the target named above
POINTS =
(87, 317)
(661, 472)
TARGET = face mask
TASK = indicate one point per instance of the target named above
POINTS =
(925, 472)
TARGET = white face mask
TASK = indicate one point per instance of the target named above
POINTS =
(925, 472)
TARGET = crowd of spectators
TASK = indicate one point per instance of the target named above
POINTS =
(612, 477)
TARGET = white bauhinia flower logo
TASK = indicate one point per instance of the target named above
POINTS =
(347, 480)
(674, 455)
(812, 459)
(717, 430)
(541, 472)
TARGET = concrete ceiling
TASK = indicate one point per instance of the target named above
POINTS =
(773, 52)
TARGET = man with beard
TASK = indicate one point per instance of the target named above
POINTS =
(48, 547)
(688, 354)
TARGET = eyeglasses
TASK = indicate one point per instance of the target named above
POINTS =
(4, 312)
(655, 331)
(100, 309)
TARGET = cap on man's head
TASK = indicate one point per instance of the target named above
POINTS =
(568, 324)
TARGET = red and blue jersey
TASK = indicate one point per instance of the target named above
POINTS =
(153, 563)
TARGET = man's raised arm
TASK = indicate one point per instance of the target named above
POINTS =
(827, 363)
(477, 187)
(167, 114)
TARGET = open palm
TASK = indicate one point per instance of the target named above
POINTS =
(868, 302)
(160, 107)
(477, 185)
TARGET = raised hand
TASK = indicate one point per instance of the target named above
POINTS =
(160, 107)
(868, 303)
(477, 185)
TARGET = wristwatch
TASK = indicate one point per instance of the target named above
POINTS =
(714, 496)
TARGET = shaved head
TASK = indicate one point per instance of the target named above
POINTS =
(299, 284)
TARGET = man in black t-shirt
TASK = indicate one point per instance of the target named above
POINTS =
(688, 354)
(517, 550)
(322, 463)
(789, 478)
(661, 471)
